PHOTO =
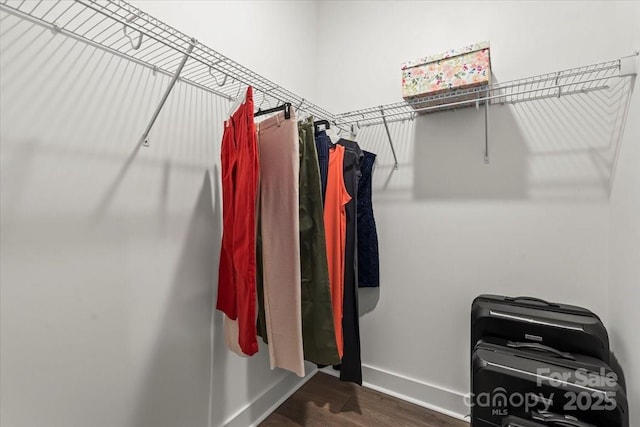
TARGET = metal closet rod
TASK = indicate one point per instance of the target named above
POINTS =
(164, 44)
(578, 81)
(218, 62)
(237, 72)
(219, 58)
(361, 115)
(171, 48)
(57, 29)
(409, 112)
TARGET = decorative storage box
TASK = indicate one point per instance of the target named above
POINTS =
(447, 77)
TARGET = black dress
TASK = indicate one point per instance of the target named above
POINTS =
(351, 367)
(368, 258)
(322, 147)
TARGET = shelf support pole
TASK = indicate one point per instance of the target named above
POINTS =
(163, 100)
(386, 127)
(486, 128)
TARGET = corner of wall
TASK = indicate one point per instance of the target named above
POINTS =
(261, 407)
(623, 284)
(430, 396)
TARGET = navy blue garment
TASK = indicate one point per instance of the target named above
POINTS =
(368, 257)
(322, 146)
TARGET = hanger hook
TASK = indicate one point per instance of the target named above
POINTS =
(224, 80)
(135, 45)
(239, 89)
(300, 105)
(262, 102)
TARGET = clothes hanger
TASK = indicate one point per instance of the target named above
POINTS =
(319, 123)
(333, 135)
(286, 107)
(239, 100)
(329, 131)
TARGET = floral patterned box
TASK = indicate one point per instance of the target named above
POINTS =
(437, 79)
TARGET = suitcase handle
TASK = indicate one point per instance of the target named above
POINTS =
(564, 420)
(550, 304)
(541, 347)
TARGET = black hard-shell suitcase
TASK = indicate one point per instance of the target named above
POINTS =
(521, 422)
(564, 327)
(514, 379)
(544, 419)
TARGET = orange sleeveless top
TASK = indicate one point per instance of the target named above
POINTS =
(335, 225)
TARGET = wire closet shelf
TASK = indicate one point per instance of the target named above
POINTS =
(126, 31)
(573, 81)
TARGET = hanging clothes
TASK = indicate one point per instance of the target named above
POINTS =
(318, 332)
(323, 142)
(335, 223)
(368, 255)
(237, 270)
(351, 367)
(261, 322)
(231, 333)
(280, 240)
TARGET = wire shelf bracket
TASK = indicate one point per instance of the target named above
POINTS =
(163, 100)
(386, 128)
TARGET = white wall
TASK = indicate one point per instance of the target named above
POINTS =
(624, 274)
(107, 283)
(109, 256)
(534, 221)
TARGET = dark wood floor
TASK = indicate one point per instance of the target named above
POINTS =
(325, 401)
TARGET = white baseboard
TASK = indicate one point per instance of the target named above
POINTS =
(255, 412)
(430, 396)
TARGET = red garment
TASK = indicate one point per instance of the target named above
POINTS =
(335, 225)
(237, 272)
